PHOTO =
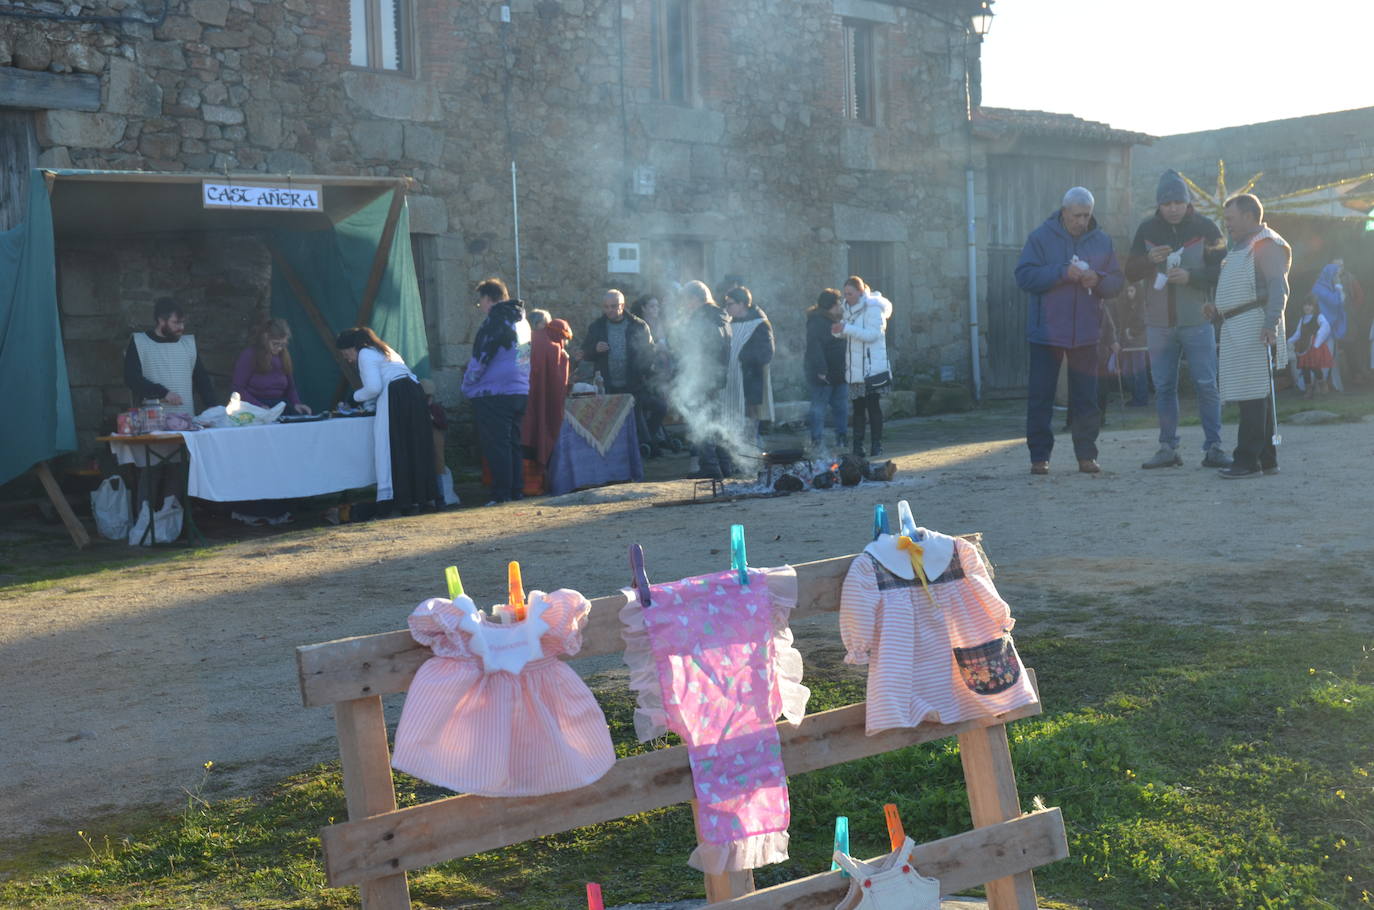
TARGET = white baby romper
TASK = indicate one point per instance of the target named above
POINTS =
(891, 883)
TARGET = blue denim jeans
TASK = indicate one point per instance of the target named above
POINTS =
(1199, 344)
(835, 400)
(1040, 385)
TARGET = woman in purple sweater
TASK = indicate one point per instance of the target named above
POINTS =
(262, 374)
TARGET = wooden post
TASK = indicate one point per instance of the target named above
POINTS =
(992, 798)
(368, 787)
(725, 885)
(64, 508)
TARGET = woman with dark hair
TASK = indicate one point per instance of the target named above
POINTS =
(748, 387)
(497, 382)
(263, 375)
(402, 442)
(824, 367)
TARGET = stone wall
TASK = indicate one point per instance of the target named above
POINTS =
(1294, 154)
(761, 172)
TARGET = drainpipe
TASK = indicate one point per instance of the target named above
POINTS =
(973, 285)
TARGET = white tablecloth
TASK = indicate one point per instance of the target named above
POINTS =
(275, 461)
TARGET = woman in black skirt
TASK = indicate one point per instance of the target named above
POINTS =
(403, 447)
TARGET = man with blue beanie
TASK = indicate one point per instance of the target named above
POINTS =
(1178, 253)
(1068, 266)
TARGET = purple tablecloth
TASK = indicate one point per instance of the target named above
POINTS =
(575, 464)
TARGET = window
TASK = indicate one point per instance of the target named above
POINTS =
(674, 63)
(859, 72)
(378, 39)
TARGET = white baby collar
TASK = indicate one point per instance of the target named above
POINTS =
(936, 552)
(507, 648)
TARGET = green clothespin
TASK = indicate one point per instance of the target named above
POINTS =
(455, 584)
(738, 561)
(841, 842)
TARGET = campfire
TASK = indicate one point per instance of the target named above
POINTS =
(785, 471)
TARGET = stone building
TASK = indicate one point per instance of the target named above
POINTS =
(791, 142)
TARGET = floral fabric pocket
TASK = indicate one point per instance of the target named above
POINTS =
(991, 667)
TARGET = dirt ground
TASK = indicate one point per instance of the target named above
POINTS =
(116, 688)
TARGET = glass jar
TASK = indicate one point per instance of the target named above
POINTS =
(152, 416)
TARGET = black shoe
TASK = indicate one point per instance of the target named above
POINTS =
(877, 449)
(1236, 472)
(1270, 470)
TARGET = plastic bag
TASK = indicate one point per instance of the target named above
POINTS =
(446, 488)
(110, 506)
(166, 524)
(239, 413)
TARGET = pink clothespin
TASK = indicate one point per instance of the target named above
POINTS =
(594, 897)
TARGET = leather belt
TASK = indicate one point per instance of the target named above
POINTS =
(1244, 308)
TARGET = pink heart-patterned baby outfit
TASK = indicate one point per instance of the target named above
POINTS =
(713, 661)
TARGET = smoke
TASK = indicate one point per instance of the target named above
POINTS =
(697, 388)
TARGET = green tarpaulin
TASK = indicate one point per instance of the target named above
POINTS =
(333, 267)
(37, 398)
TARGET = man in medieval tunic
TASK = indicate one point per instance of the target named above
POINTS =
(1251, 294)
(163, 364)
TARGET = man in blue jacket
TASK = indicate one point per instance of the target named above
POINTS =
(1067, 267)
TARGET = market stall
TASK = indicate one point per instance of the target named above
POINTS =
(598, 444)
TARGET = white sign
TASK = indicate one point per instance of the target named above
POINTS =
(622, 257)
(299, 197)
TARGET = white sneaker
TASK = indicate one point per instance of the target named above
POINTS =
(253, 521)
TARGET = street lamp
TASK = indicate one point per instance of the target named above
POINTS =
(981, 20)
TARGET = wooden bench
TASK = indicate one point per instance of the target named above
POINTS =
(379, 842)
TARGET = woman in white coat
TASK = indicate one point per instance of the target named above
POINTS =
(864, 327)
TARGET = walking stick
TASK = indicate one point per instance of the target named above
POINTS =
(1277, 438)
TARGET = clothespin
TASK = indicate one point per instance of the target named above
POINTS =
(594, 897)
(738, 561)
(906, 520)
(455, 584)
(841, 842)
(879, 520)
(639, 579)
(895, 835)
(516, 599)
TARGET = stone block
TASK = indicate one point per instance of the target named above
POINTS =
(682, 124)
(393, 98)
(129, 90)
(424, 144)
(94, 362)
(6, 51)
(159, 145)
(264, 123)
(428, 215)
(56, 158)
(228, 38)
(210, 12)
(79, 129)
(215, 93)
(215, 113)
(282, 161)
(32, 51)
(163, 55)
(377, 139)
(83, 58)
(179, 28)
(708, 162)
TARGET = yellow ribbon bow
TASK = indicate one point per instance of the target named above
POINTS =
(915, 552)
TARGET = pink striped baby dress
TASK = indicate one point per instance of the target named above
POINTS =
(495, 712)
(712, 660)
(937, 648)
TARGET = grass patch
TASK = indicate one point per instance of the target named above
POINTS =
(1196, 768)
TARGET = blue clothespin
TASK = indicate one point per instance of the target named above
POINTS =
(639, 579)
(841, 841)
(879, 520)
(738, 561)
(905, 519)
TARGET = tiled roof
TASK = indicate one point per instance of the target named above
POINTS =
(995, 122)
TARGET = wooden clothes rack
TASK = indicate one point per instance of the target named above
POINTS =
(379, 842)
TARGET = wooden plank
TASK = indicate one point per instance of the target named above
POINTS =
(64, 508)
(722, 886)
(992, 797)
(959, 862)
(48, 91)
(322, 329)
(368, 789)
(384, 664)
(460, 826)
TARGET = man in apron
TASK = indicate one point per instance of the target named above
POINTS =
(163, 364)
(1251, 294)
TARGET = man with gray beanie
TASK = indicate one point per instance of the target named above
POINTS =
(1178, 253)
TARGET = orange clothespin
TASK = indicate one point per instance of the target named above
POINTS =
(895, 835)
(594, 897)
(516, 599)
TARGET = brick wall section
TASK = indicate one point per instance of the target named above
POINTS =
(763, 171)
